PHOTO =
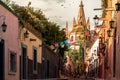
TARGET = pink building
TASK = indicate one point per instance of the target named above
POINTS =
(9, 45)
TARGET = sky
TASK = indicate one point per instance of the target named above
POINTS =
(60, 11)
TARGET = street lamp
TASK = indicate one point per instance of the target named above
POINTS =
(100, 39)
(111, 23)
(26, 34)
(96, 20)
(4, 26)
(109, 33)
(117, 6)
(112, 26)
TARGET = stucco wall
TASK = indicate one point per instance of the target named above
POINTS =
(11, 40)
(118, 48)
(52, 59)
(30, 46)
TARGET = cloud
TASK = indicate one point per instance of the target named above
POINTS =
(60, 1)
(48, 9)
(61, 11)
(57, 1)
(58, 19)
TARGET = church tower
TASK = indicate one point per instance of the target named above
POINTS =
(66, 30)
(74, 23)
(78, 26)
(88, 24)
(81, 16)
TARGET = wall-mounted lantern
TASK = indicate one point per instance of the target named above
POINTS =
(96, 20)
(4, 26)
(112, 22)
(109, 33)
(100, 39)
(117, 6)
(26, 34)
(112, 26)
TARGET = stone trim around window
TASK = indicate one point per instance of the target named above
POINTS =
(12, 60)
(35, 65)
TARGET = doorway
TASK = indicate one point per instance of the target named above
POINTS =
(24, 62)
(2, 59)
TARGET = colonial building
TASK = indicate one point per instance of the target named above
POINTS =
(109, 35)
(31, 53)
(9, 44)
(78, 28)
(115, 60)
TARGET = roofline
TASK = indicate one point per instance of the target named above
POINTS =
(8, 8)
(33, 30)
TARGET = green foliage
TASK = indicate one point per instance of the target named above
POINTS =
(81, 50)
(104, 5)
(7, 2)
(78, 55)
(50, 31)
(74, 54)
(80, 68)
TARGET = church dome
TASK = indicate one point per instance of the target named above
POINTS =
(78, 28)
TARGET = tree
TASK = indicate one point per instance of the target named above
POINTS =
(7, 2)
(51, 32)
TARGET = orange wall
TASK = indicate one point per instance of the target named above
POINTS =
(31, 44)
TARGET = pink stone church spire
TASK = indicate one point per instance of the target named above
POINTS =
(88, 24)
(81, 16)
(74, 22)
(67, 31)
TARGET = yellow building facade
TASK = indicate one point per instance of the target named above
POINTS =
(31, 52)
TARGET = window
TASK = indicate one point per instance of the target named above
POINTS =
(72, 38)
(12, 62)
(34, 60)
